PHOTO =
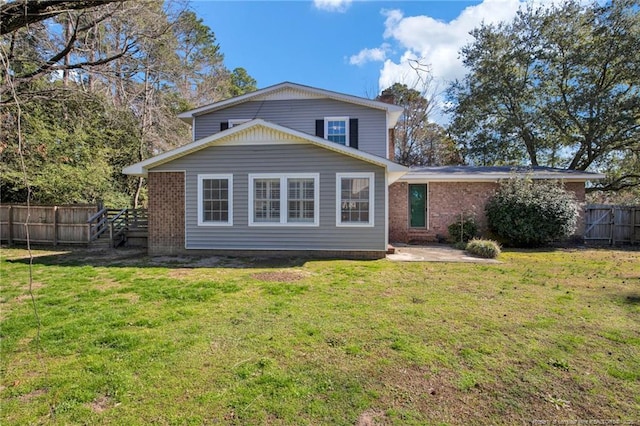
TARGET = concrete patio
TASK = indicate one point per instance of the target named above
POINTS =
(433, 253)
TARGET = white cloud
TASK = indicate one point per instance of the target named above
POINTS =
(332, 5)
(377, 54)
(432, 42)
(437, 43)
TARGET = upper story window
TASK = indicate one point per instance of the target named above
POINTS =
(341, 130)
(336, 129)
(224, 125)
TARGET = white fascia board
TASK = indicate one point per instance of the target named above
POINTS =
(493, 177)
(141, 168)
(393, 116)
(394, 176)
(393, 111)
(231, 101)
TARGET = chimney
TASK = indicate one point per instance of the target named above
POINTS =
(387, 98)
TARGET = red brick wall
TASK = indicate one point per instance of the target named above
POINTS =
(578, 189)
(166, 212)
(398, 212)
(447, 200)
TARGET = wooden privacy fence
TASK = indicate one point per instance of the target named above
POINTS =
(46, 224)
(611, 224)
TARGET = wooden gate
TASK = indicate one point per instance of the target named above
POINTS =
(611, 224)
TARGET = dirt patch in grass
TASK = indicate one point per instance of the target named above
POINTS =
(446, 396)
(418, 387)
(34, 286)
(280, 276)
(23, 298)
(170, 260)
(32, 395)
(101, 404)
(106, 284)
(131, 297)
(372, 418)
(180, 272)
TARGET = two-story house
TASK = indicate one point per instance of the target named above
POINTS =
(291, 169)
(286, 169)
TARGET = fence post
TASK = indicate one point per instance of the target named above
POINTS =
(55, 225)
(10, 225)
(612, 234)
(634, 223)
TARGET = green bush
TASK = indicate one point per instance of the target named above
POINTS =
(483, 248)
(463, 230)
(524, 213)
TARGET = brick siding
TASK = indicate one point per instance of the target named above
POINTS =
(398, 212)
(578, 189)
(446, 202)
(392, 145)
(166, 212)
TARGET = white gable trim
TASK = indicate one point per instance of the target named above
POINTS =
(260, 132)
(286, 94)
(259, 135)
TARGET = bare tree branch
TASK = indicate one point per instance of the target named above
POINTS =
(20, 13)
(623, 182)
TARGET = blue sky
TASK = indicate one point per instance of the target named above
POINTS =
(354, 47)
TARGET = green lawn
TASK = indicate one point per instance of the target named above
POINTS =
(548, 335)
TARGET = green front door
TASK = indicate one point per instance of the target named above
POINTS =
(418, 205)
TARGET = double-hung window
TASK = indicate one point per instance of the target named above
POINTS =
(215, 200)
(301, 200)
(290, 199)
(336, 129)
(266, 200)
(355, 195)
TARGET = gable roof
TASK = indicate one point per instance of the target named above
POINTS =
(493, 173)
(259, 132)
(288, 90)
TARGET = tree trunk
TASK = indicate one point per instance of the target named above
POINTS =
(67, 58)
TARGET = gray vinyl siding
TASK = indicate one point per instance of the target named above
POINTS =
(301, 115)
(300, 158)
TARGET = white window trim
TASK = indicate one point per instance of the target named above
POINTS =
(237, 121)
(201, 221)
(346, 128)
(284, 195)
(339, 177)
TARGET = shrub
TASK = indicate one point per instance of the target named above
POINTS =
(483, 248)
(527, 213)
(463, 230)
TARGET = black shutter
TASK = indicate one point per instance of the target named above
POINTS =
(224, 125)
(320, 128)
(353, 133)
